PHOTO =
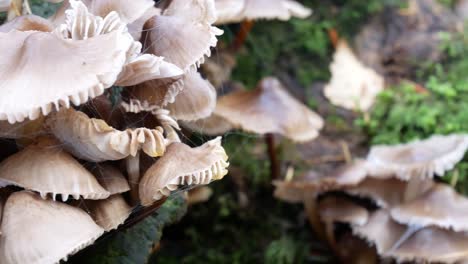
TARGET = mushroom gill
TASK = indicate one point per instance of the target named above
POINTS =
(183, 165)
(110, 178)
(46, 168)
(41, 231)
(94, 140)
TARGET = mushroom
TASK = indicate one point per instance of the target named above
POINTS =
(335, 209)
(441, 206)
(212, 125)
(109, 213)
(269, 109)
(110, 178)
(380, 230)
(93, 140)
(386, 193)
(183, 34)
(199, 195)
(232, 11)
(182, 165)
(26, 129)
(353, 85)
(86, 41)
(45, 168)
(311, 182)
(419, 159)
(433, 245)
(196, 101)
(43, 231)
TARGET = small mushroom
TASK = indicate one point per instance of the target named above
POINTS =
(109, 213)
(94, 140)
(183, 165)
(353, 85)
(386, 193)
(441, 206)
(111, 179)
(276, 9)
(196, 101)
(269, 109)
(419, 159)
(345, 176)
(336, 209)
(380, 230)
(46, 168)
(183, 34)
(43, 231)
(213, 125)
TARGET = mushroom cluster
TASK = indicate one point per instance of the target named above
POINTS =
(90, 106)
(392, 200)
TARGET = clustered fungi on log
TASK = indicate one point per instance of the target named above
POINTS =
(392, 201)
(84, 164)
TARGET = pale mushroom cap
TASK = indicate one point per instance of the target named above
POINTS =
(274, 9)
(421, 158)
(353, 85)
(111, 179)
(136, 27)
(212, 125)
(270, 109)
(183, 35)
(433, 245)
(314, 183)
(441, 206)
(337, 209)
(26, 129)
(196, 101)
(109, 213)
(385, 193)
(94, 140)
(229, 11)
(40, 231)
(182, 165)
(27, 22)
(45, 168)
(380, 230)
(84, 57)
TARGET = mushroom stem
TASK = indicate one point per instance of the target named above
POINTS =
(27, 8)
(133, 171)
(310, 204)
(333, 36)
(346, 153)
(242, 34)
(274, 163)
(16, 9)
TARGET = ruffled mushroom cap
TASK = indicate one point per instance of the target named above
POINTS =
(269, 109)
(27, 22)
(229, 11)
(353, 85)
(38, 231)
(94, 140)
(335, 209)
(380, 230)
(276, 9)
(111, 179)
(212, 125)
(421, 158)
(385, 193)
(109, 213)
(431, 245)
(45, 168)
(89, 50)
(183, 34)
(347, 175)
(182, 165)
(441, 206)
(196, 101)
